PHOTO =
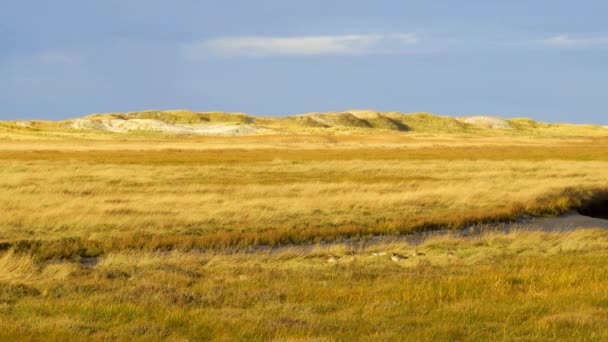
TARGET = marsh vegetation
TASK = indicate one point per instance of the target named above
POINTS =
(152, 237)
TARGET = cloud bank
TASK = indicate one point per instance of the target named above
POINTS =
(566, 41)
(326, 45)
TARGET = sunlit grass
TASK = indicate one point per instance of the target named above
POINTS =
(197, 197)
(522, 285)
(200, 238)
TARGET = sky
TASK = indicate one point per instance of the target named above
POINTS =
(547, 60)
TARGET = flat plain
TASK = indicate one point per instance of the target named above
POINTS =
(271, 236)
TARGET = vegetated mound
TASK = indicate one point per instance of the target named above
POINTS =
(178, 116)
(526, 124)
(227, 117)
(170, 116)
(340, 119)
(347, 122)
(304, 120)
(427, 122)
(171, 122)
(379, 120)
(486, 121)
(529, 126)
(28, 126)
(150, 125)
(18, 124)
(351, 118)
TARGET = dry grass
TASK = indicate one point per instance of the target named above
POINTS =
(105, 198)
(174, 221)
(522, 285)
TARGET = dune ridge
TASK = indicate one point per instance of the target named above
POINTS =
(187, 122)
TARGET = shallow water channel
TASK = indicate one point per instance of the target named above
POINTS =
(561, 224)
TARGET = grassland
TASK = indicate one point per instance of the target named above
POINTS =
(104, 195)
(499, 286)
(175, 222)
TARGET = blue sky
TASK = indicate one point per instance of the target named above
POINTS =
(541, 59)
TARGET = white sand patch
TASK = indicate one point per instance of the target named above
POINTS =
(486, 121)
(126, 126)
(24, 123)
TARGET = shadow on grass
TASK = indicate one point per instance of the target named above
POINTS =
(596, 206)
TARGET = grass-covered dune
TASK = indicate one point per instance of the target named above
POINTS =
(366, 122)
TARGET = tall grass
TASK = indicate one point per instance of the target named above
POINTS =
(172, 224)
(521, 285)
(69, 201)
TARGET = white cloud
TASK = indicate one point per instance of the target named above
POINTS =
(54, 57)
(566, 41)
(301, 46)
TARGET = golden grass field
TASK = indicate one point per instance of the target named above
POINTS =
(508, 287)
(175, 222)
